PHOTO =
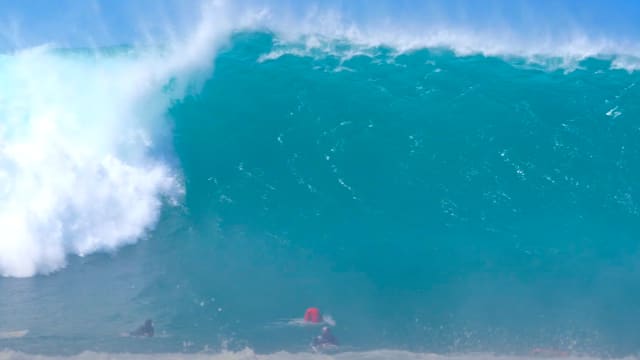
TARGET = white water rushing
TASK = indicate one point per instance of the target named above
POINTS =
(79, 132)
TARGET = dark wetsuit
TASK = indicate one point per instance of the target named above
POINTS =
(145, 330)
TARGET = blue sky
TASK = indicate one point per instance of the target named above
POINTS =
(103, 22)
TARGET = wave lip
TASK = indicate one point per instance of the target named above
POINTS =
(315, 30)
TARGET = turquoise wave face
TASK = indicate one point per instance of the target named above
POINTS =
(426, 201)
(410, 192)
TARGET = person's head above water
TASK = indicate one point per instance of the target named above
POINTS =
(145, 329)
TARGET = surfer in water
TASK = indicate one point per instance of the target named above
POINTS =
(325, 339)
(145, 329)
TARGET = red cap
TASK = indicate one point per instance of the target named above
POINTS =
(312, 315)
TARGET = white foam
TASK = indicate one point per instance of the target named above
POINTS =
(614, 112)
(301, 322)
(565, 55)
(249, 354)
(79, 170)
(626, 62)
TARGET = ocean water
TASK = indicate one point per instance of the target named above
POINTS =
(430, 200)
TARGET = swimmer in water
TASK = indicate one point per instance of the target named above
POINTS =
(145, 330)
(325, 338)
